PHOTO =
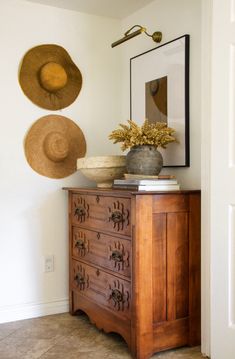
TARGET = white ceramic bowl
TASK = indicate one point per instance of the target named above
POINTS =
(102, 169)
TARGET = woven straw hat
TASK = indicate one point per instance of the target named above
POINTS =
(52, 146)
(49, 77)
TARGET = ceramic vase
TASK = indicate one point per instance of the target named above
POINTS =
(144, 160)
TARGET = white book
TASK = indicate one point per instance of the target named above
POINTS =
(170, 187)
(145, 182)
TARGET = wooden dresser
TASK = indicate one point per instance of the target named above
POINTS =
(135, 265)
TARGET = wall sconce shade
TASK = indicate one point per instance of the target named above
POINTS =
(156, 36)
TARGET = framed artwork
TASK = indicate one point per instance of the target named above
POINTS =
(159, 80)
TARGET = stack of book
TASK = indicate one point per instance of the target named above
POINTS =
(147, 183)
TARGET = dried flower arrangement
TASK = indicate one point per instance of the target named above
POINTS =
(156, 134)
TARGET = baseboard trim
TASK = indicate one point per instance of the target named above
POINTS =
(13, 313)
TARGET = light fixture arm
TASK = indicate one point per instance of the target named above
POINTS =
(141, 29)
(156, 36)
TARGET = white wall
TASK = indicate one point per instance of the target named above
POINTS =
(174, 19)
(33, 217)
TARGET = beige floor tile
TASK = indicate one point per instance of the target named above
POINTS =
(64, 336)
(74, 355)
(23, 348)
(9, 328)
(182, 353)
(43, 330)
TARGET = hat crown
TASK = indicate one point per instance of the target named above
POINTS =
(56, 146)
(53, 77)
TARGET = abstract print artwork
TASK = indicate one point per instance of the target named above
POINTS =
(159, 84)
(156, 100)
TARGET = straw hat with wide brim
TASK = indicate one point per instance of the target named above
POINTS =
(49, 77)
(52, 146)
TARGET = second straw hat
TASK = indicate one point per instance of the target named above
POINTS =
(49, 77)
(53, 145)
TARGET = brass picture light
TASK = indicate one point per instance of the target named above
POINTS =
(156, 36)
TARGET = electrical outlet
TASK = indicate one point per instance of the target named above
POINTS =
(49, 263)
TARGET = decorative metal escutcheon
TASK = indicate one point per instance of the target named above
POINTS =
(80, 244)
(117, 256)
(80, 279)
(117, 217)
(117, 296)
(79, 211)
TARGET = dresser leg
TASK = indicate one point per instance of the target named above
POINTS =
(141, 354)
(142, 346)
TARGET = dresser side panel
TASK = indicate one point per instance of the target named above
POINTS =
(142, 277)
(195, 270)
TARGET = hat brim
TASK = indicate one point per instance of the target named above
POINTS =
(34, 150)
(33, 61)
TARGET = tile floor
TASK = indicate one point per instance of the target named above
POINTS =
(64, 336)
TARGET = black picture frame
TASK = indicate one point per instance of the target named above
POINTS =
(160, 78)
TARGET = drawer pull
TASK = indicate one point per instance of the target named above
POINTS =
(80, 244)
(117, 296)
(79, 279)
(117, 217)
(117, 256)
(79, 212)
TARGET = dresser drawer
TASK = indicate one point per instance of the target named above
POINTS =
(101, 212)
(102, 288)
(101, 249)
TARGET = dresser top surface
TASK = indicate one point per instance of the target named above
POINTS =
(124, 192)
